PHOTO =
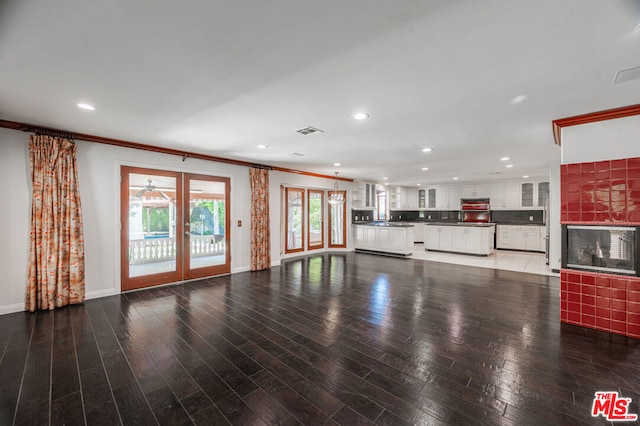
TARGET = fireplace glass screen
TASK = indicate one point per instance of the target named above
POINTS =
(609, 249)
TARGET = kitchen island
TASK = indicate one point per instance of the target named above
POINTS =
(384, 238)
(461, 237)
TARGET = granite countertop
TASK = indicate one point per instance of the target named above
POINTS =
(386, 224)
(474, 224)
(521, 223)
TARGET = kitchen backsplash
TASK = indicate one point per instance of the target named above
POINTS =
(497, 216)
(424, 215)
(517, 216)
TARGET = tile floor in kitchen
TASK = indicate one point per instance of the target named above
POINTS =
(521, 261)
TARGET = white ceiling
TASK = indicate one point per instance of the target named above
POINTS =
(221, 77)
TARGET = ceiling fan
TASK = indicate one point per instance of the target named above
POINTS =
(151, 188)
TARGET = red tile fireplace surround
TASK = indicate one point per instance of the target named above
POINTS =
(601, 193)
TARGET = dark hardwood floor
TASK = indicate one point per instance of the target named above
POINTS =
(333, 338)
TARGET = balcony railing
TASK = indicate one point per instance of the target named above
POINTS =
(161, 249)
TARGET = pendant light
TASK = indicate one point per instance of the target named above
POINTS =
(336, 197)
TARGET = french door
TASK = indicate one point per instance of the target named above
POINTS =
(174, 226)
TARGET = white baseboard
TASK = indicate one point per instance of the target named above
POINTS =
(241, 269)
(100, 293)
(9, 309)
(275, 263)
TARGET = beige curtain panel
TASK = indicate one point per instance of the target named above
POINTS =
(56, 257)
(260, 236)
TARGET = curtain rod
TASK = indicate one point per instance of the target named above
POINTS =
(170, 151)
(47, 132)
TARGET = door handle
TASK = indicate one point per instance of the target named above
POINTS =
(187, 233)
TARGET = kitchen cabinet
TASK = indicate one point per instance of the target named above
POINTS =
(460, 238)
(496, 196)
(431, 198)
(512, 195)
(543, 194)
(474, 191)
(527, 194)
(422, 199)
(418, 232)
(505, 196)
(521, 237)
(453, 199)
(438, 238)
(384, 239)
(395, 198)
(432, 238)
(363, 195)
(442, 198)
(447, 197)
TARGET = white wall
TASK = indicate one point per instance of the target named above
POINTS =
(99, 175)
(553, 212)
(14, 220)
(602, 140)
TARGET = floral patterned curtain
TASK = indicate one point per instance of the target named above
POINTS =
(56, 256)
(260, 238)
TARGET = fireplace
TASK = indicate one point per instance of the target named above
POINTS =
(606, 249)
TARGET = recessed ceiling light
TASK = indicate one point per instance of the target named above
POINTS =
(385, 178)
(518, 99)
(425, 168)
(455, 178)
(336, 164)
(525, 177)
(360, 116)
(509, 166)
(505, 159)
(427, 149)
(418, 184)
(85, 106)
(386, 183)
(262, 146)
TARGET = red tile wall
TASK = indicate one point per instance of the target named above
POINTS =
(604, 193)
(602, 301)
(601, 192)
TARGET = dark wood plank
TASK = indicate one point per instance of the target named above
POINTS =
(68, 410)
(167, 408)
(99, 404)
(133, 406)
(333, 338)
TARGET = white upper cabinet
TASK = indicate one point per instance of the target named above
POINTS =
(502, 196)
(496, 196)
(453, 202)
(505, 196)
(474, 191)
(442, 198)
(431, 198)
(512, 195)
(411, 200)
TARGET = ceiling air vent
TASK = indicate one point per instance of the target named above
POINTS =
(628, 74)
(298, 154)
(309, 130)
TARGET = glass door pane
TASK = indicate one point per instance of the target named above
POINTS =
(316, 219)
(337, 224)
(206, 226)
(150, 238)
(294, 217)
